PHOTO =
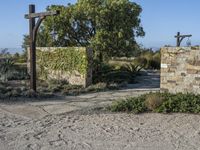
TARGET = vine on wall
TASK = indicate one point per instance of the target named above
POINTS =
(62, 59)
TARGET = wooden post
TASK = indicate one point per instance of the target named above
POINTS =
(179, 38)
(32, 49)
(33, 28)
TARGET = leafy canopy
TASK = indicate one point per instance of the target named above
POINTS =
(109, 26)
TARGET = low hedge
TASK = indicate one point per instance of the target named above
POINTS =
(160, 103)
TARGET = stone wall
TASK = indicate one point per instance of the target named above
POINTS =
(60, 63)
(180, 69)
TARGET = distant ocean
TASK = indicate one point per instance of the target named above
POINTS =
(13, 50)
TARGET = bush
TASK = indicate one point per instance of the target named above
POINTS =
(160, 102)
(118, 77)
(185, 103)
(100, 70)
(153, 101)
(148, 60)
(6, 68)
(141, 61)
(131, 68)
(106, 73)
(135, 105)
(19, 72)
(97, 87)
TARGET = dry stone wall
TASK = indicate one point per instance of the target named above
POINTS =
(180, 69)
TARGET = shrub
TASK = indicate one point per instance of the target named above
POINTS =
(135, 105)
(2, 89)
(141, 61)
(153, 101)
(19, 72)
(184, 103)
(131, 68)
(55, 85)
(100, 70)
(6, 67)
(97, 87)
(148, 60)
(161, 103)
(118, 77)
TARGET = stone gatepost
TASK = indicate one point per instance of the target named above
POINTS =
(180, 69)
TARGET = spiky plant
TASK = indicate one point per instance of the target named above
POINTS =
(6, 67)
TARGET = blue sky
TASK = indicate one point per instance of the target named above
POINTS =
(161, 20)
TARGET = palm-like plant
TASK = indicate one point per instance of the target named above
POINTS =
(6, 67)
(132, 69)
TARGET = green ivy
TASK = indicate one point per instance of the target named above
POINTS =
(62, 59)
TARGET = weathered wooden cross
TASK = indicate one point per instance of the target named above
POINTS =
(33, 28)
(180, 38)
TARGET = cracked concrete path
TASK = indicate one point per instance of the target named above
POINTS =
(41, 108)
(148, 81)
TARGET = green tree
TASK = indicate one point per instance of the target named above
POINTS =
(108, 26)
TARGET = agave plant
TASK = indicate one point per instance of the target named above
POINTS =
(6, 67)
(132, 68)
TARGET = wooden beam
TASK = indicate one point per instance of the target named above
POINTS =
(183, 36)
(179, 38)
(42, 14)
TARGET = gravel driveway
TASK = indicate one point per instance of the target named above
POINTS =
(74, 123)
(100, 131)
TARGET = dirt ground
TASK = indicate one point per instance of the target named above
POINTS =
(100, 131)
(77, 123)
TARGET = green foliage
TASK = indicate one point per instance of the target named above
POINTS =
(115, 73)
(19, 58)
(118, 76)
(180, 103)
(135, 105)
(19, 72)
(100, 70)
(12, 67)
(153, 101)
(18, 90)
(132, 69)
(64, 88)
(6, 67)
(62, 59)
(108, 26)
(4, 53)
(97, 87)
(161, 103)
(148, 59)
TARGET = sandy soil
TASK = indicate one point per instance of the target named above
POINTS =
(100, 131)
(68, 124)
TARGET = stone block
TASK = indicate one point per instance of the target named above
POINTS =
(182, 71)
(192, 71)
(197, 78)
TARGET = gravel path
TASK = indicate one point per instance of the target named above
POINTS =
(76, 131)
(75, 123)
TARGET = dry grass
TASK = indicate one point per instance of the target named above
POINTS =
(153, 101)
